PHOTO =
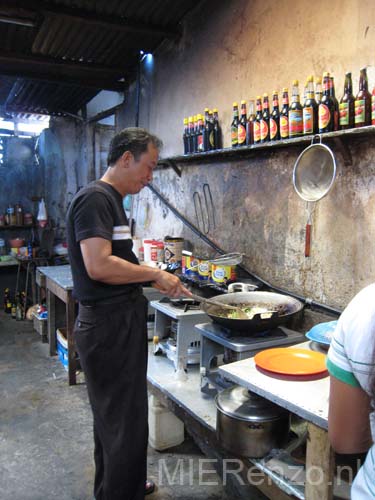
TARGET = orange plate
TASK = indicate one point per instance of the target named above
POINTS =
(291, 361)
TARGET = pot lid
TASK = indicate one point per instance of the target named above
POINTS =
(238, 402)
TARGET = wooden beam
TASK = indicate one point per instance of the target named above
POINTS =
(75, 14)
(64, 72)
(104, 114)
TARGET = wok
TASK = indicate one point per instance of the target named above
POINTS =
(281, 308)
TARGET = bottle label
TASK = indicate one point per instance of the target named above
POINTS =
(263, 130)
(200, 142)
(359, 111)
(373, 109)
(273, 128)
(344, 113)
(241, 134)
(308, 120)
(284, 127)
(295, 122)
(211, 139)
(324, 116)
(234, 136)
(256, 131)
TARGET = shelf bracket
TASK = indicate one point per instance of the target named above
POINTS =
(171, 163)
(345, 151)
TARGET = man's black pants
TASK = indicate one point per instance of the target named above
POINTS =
(112, 344)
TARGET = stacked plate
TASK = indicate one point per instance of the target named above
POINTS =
(322, 333)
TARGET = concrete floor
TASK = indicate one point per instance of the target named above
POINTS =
(46, 441)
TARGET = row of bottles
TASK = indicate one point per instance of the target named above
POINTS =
(15, 306)
(202, 132)
(321, 112)
(14, 216)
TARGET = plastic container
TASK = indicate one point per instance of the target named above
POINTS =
(62, 347)
(165, 429)
(147, 250)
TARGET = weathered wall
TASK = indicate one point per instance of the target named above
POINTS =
(233, 50)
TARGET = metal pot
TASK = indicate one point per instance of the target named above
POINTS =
(248, 425)
(281, 307)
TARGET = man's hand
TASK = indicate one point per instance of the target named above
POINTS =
(170, 285)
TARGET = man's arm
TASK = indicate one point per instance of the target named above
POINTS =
(102, 266)
(348, 419)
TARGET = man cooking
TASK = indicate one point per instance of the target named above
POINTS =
(111, 331)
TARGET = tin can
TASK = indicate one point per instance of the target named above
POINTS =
(173, 249)
(221, 274)
(204, 269)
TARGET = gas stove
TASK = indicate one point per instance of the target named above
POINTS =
(174, 332)
(221, 346)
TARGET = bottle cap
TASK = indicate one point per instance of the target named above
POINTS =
(215, 110)
(185, 121)
(243, 102)
(190, 118)
(265, 95)
(285, 89)
(275, 92)
(205, 110)
(318, 79)
(235, 104)
(325, 74)
(295, 83)
(259, 97)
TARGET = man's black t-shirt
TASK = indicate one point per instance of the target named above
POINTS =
(97, 211)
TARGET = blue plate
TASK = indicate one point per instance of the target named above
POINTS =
(322, 333)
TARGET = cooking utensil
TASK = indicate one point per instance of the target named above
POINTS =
(313, 175)
(209, 205)
(291, 361)
(248, 425)
(240, 312)
(202, 218)
(228, 259)
(281, 307)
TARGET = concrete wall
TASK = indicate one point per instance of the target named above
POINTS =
(237, 49)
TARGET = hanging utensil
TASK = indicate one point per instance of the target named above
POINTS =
(313, 175)
(209, 205)
(202, 219)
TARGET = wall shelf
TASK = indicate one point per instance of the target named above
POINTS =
(17, 227)
(339, 139)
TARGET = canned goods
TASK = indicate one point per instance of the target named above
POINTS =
(203, 269)
(221, 274)
(173, 249)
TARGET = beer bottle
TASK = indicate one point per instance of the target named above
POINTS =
(284, 115)
(234, 126)
(310, 110)
(250, 124)
(206, 130)
(326, 107)
(242, 125)
(362, 103)
(336, 104)
(185, 136)
(196, 132)
(295, 113)
(257, 120)
(265, 120)
(200, 128)
(318, 90)
(275, 117)
(217, 138)
(346, 107)
(190, 135)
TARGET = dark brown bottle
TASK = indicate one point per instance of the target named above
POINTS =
(241, 135)
(284, 115)
(190, 135)
(336, 105)
(234, 126)
(257, 120)
(310, 110)
(185, 136)
(217, 141)
(250, 124)
(295, 113)
(265, 120)
(346, 106)
(362, 103)
(275, 118)
(318, 90)
(326, 107)
(206, 130)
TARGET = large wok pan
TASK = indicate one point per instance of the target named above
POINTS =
(281, 308)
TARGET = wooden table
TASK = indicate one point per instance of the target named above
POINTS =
(61, 312)
(309, 400)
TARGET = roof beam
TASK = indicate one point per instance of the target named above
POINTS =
(64, 72)
(17, 7)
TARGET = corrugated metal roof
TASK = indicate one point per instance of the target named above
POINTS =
(71, 49)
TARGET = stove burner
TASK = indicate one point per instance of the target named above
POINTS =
(185, 304)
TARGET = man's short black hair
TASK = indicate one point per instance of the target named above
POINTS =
(133, 139)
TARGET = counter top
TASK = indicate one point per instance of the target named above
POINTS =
(61, 275)
(306, 398)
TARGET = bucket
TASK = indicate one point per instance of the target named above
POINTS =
(173, 249)
(165, 429)
(221, 274)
